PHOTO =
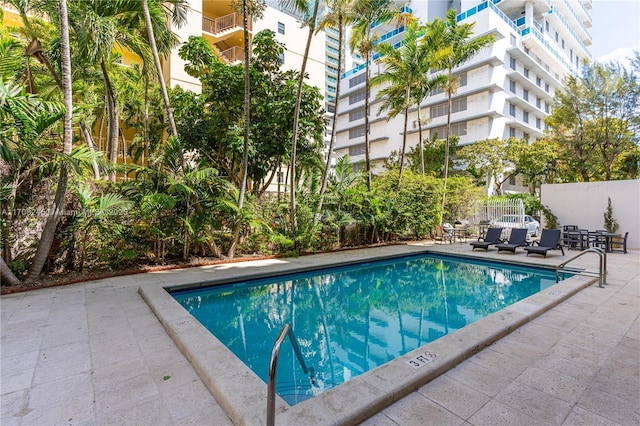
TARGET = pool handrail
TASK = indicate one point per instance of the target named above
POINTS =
(273, 364)
(602, 272)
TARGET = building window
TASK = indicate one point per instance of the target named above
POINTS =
(357, 149)
(557, 37)
(546, 87)
(512, 86)
(357, 132)
(525, 94)
(512, 63)
(356, 115)
(356, 97)
(546, 25)
(513, 40)
(526, 72)
(332, 70)
(538, 123)
(358, 79)
(281, 58)
(571, 54)
(462, 79)
(441, 109)
(538, 103)
(459, 129)
(512, 109)
(546, 108)
(512, 180)
(525, 136)
(438, 110)
(525, 116)
(538, 81)
(512, 132)
(562, 44)
(281, 27)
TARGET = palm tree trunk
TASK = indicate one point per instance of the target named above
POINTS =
(296, 116)
(327, 167)
(92, 147)
(420, 141)
(156, 59)
(446, 147)
(49, 230)
(247, 122)
(367, 148)
(113, 125)
(6, 275)
(404, 145)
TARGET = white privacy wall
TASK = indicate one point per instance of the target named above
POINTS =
(584, 204)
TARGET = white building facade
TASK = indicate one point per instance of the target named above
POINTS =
(505, 91)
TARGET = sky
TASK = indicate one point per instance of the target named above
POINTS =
(615, 30)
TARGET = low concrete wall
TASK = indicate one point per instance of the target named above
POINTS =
(584, 204)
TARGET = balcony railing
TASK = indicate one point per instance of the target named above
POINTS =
(223, 23)
(233, 54)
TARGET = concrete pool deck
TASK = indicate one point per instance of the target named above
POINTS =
(94, 353)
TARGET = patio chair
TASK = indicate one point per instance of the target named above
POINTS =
(549, 240)
(518, 238)
(492, 237)
(619, 243)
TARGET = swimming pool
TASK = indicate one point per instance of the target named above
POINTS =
(351, 319)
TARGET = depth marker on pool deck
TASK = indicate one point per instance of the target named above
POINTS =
(422, 359)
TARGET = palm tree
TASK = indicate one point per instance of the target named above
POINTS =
(250, 10)
(156, 59)
(300, 6)
(336, 18)
(455, 48)
(366, 14)
(406, 73)
(49, 230)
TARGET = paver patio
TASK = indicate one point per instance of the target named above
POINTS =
(94, 353)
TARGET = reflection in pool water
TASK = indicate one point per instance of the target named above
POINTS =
(349, 320)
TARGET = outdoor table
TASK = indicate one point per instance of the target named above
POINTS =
(608, 238)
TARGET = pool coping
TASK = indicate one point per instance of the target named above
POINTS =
(243, 395)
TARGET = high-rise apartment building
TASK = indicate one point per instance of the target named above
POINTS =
(505, 91)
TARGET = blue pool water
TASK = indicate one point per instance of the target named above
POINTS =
(349, 320)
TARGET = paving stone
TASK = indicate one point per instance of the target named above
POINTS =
(58, 362)
(539, 405)
(581, 417)
(611, 407)
(65, 401)
(558, 385)
(456, 397)
(496, 413)
(482, 379)
(415, 409)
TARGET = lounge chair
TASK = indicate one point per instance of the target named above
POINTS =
(492, 237)
(549, 240)
(518, 238)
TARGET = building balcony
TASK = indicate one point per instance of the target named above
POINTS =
(233, 55)
(224, 24)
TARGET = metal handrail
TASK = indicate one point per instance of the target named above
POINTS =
(602, 272)
(273, 363)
